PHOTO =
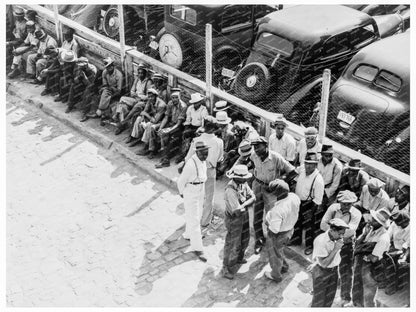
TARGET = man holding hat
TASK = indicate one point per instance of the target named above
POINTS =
(330, 169)
(37, 62)
(280, 221)
(353, 177)
(282, 142)
(195, 115)
(170, 130)
(215, 155)
(20, 53)
(309, 144)
(369, 250)
(268, 166)
(310, 189)
(148, 123)
(238, 197)
(344, 210)
(191, 185)
(326, 258)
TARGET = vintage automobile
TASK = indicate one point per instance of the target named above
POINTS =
(369, 104)
(283, 73)
(233, 27)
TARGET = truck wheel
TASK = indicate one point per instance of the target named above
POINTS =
(252, 82)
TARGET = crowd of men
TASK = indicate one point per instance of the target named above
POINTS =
(300, 193)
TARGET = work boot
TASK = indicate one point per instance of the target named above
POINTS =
(135, 142)
(14, 73)
(227, 274)
(58, 99)
(144, 151)
(163, 163)
(200, 256)
(84, 118)
(129, 139)
(152, 154)
(45, 92)
(92, 115)
(68, 110)
(270, 277)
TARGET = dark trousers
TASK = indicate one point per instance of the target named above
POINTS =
(324, 286)
(275, 245)
(307, 220)
(90, 100)
(364, 286)
(170, 141)
(189, 132)
(76, 91)
(264, 202)
(345, 270)
(52, 81)
(396, 275)
(236, 240)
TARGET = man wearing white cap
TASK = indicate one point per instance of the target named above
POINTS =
(281, 141)
(238, 197)
(309, 144)
(20, 53)
(369, 250)
(215, 155)
(171, 127)
(344, 210)
(280, 221)
(326, 258)
(195, 115)
(191, 185)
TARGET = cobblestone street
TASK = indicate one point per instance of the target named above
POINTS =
(87, 228)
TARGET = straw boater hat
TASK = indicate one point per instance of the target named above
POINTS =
(68, 56)
(382, 216)
(280, 120)
(239, 171)
(346, 197)
(220, 106)
(245, 148)
(18, 11)
(311, 158)
(354, 164)
(153, 91)
(108, 61)
(200, 146)
(195, 98)
(222, 118)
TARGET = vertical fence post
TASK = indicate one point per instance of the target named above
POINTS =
(208, 64)
(58, 26)
(122, 43)
(323, 112)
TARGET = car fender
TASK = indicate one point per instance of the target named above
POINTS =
(292, 100)
(388, 24)
(226, 48)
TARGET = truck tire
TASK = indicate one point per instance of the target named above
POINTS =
(252, 82)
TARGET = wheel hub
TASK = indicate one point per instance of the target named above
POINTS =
(251, 81)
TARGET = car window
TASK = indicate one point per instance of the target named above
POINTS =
(236, 16)
(278, 44)
(183, 13)
(366, 72)
(263, 10)
(388, 81)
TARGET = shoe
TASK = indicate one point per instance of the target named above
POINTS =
(242, 261)
(349, 305)
(14, 73)
(163, 163)
(64, 100)
(200, 256)
(152, 155)
(92, 115)
(308, 251)
(284, 270)
(143, 152)
(135, 142)
(345, 303)
(118, 131)
(36, 82)
(58, 99)
(30, 76)
(227, 275)
(68, 110)
(102, 123)
(270, 277)
(84, 118)
(178, 160)
(45, 92)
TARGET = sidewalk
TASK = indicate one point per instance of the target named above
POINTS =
(104, 136)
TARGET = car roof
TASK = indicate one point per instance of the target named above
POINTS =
(391, 54)
(309, 23)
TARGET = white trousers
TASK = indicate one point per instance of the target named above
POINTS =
(193, 199)
(208, 210)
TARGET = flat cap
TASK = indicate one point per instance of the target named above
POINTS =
(311, 131)
(153, 91)
(278, 186)
(258, 140)
(346, 197)
(337, 222)
(375, 183)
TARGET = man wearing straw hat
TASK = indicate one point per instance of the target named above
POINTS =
(159, 82)
(191, 186)
(344, 210)
(353, 177)
(281, 141)
(238, 197)
(19, 30)
(369, 250)
(280, 221)
(309, 144)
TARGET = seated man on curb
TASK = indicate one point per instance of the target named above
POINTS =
(52, 73)
(159, 82)
(110, 90)
(19, 31)
(67, 77)
(37, 62)
(21, 53)
(151, 116)
(129, 107)
(280, 221)
(84, 76)
(170, 130)
(238, 198)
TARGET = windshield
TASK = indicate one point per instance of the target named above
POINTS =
(275, 43)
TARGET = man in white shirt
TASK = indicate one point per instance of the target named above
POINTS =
(216, 153)
(310, 189)
(326, 258)
(191, 187)
(280, 221)
(282, 142)
(351, 216)
(369, 250)
(309, 144)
